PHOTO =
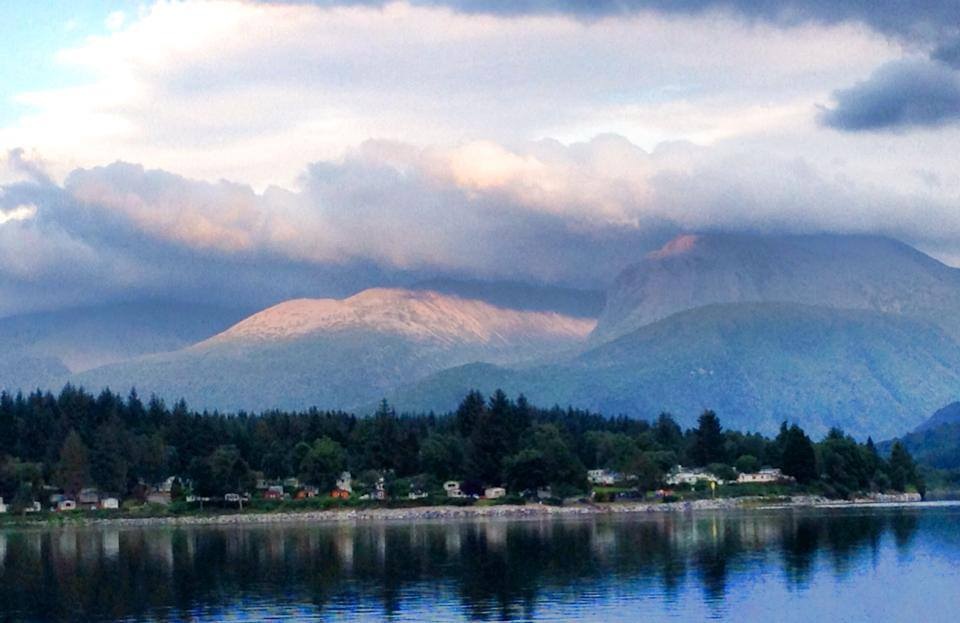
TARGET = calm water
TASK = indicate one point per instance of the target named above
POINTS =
(880, 564)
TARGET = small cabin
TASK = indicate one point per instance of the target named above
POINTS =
(452, 488)
(493, 493)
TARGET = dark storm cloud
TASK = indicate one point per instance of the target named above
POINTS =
(899, 95)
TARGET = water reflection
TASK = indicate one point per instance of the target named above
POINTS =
(476, 570)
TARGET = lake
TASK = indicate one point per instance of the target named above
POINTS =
(852, 564)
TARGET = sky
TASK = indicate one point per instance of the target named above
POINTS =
(247, 152)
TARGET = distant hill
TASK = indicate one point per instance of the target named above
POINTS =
(949, 414)
(842, 272)
(756, 364)
(40, 349)
(342, 353)
(936, 441)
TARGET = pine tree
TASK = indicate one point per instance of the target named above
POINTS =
(798, 457)
(708, 441)
(74, 472)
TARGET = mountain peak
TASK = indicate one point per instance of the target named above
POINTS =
(677, 246)
(418, 314)
(839, 271)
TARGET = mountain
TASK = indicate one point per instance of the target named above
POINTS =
(859, 332)
(842, 272)
(756, 364)
(342, 353)
(522, 296)
(949, 414)
(936, 442)
(41, 348)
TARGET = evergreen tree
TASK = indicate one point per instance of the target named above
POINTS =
(469, 413)
(902, 469)
(708, 445)
(798, 458)
(108, 466)
(490, 442)
(74, 467)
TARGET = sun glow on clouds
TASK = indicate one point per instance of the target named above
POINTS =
(253, 92)
(414, 138)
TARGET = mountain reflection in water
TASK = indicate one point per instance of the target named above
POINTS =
(852, 564)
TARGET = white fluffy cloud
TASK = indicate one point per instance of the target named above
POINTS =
(252, 92)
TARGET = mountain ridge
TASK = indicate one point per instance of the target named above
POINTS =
(826, 270)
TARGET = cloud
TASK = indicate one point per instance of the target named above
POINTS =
(253, 92)
(914, 19)
(902, 94)
(948, 52)
(391, 213)
(20, 212)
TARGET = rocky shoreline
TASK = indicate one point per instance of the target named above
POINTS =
(529, 511)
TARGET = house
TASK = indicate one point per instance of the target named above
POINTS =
(109, 503)
(340, 494)
(66, 504)
(273, 492)
(88, 498)
(681, 476)
(766, 475)
(493, 493)
(35, 507)
(345, 482)
(310, 491)
(293, 483)
(417, 494)
(603, 477)
(3, 507)
(452, 488)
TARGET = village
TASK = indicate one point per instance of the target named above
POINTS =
(605, 485)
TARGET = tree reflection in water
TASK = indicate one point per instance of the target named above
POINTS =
(491, 569)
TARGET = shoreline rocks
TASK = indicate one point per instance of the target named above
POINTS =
(529, 511)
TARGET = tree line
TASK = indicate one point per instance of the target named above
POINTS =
(124, 446)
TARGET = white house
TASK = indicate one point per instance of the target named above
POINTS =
(3, 507)
(603, 477)
(110, 504)
(492, 493)
(452, 487)
(766, 475)
(345, 482)
(681, 476)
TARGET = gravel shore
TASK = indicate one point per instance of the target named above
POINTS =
(443, 513)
